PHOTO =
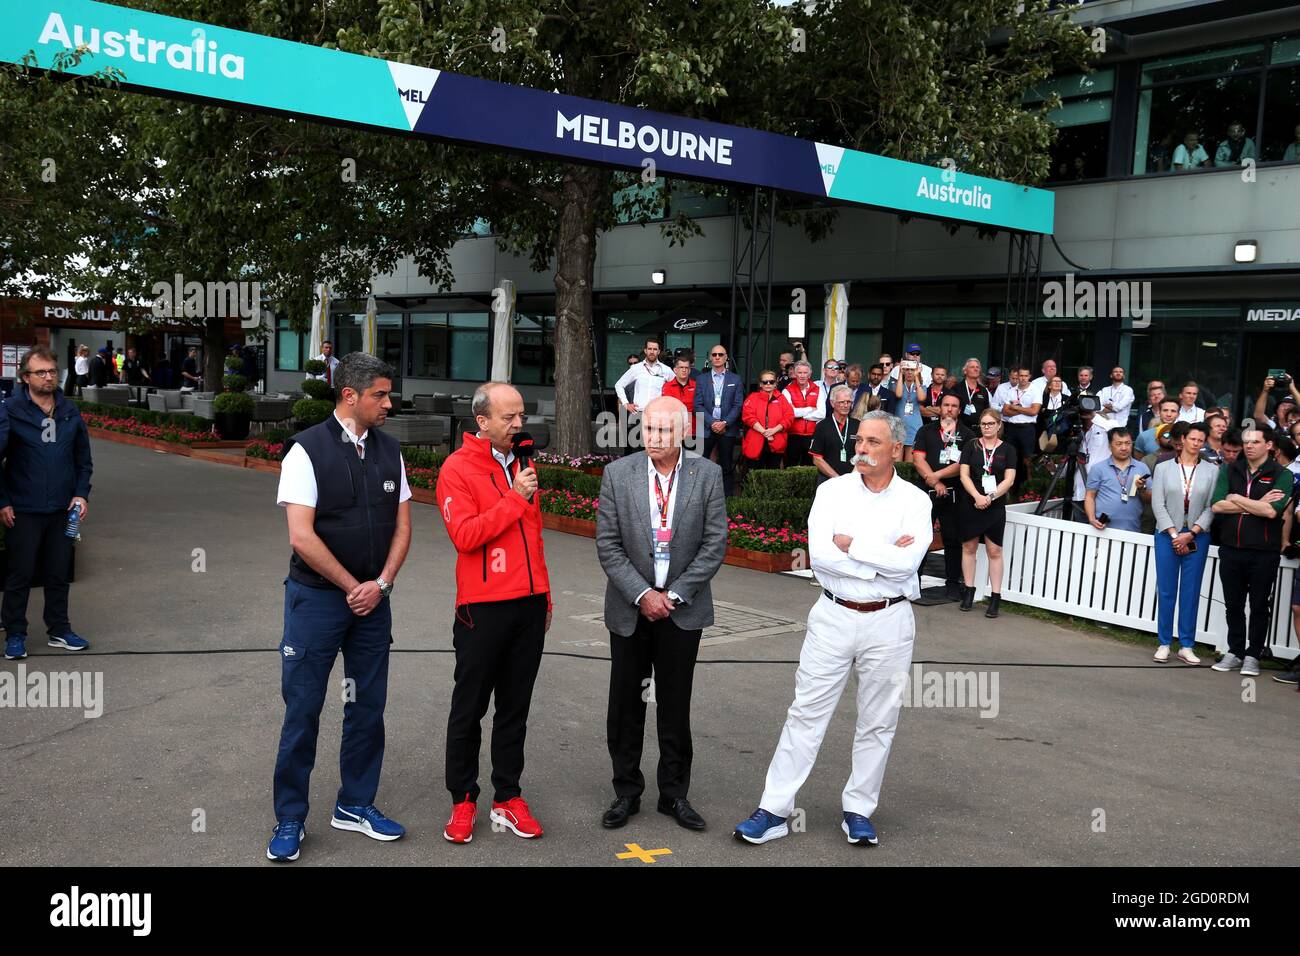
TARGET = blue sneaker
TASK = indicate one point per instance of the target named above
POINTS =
(69, 641)
(858, 828)
(367, 820)
(15, 647)
(286, 840)
(761, 827)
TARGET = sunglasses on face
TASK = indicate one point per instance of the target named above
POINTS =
(768, 381)
(717, 354)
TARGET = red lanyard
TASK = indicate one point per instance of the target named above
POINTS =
(662, 500)
(988, 456)
(1187, 488)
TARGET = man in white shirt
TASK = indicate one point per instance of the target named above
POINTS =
(1049, 373)
(1020, 400)
(868, 532)
(1117, 398)
(1188, 410)
(331, 363)
(1189, 154)
(643, 382)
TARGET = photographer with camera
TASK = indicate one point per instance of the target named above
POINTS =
(1117, 486)
(1280, 387)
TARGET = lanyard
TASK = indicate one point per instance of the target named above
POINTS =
(843, 433)
(970, 396)
(662, 500)
(1122, 479)
(988, 454)
(1187, 488)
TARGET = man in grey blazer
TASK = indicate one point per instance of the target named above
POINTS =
(661, 534)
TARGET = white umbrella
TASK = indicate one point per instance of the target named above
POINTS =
(503, 330)
(370, 328)
(835, 338)
(320, 318)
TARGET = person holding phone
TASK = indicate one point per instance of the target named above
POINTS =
(988, 469)
(1117, 486)
(1182, 490)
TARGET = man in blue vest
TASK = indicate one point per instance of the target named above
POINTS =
(719, 396)
(47, 468)
(343, 487)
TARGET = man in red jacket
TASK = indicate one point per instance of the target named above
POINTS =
(503, 609)
(805, 397)
(682, 386)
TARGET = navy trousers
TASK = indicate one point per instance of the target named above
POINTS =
(317, 625)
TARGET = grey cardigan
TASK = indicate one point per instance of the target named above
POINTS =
(1167, 496)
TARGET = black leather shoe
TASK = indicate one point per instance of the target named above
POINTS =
(994, 600)
(681, 811)
(967, 599)
(619, 811)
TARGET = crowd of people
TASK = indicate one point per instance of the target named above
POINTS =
(975, 438)
(108, 366)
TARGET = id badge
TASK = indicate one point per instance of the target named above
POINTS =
(989, 484)
(970, 409)
(948, 456)
(907, 409)
(844, 455)
(662, 537)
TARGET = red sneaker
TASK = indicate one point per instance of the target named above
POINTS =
(460, 828)
(515, 815)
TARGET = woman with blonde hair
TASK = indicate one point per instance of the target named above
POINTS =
(988, 469)
(867, 402)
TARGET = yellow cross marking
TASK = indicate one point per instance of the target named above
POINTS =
(645, 856)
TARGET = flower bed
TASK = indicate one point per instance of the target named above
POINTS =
(570, 504)
(135, 427)
(592, 464)
(265, 450)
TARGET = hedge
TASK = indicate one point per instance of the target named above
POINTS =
(190, 423)
(551, 478)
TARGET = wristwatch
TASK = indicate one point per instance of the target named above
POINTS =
(385, 587)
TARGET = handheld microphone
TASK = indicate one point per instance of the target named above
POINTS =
(523, 449)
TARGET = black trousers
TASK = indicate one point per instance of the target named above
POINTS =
(796, 451)
(944, 510)
(726, 445)
(498, 651)
(1247, 574)
(1022, 438)
(37, 537)
(671, 652)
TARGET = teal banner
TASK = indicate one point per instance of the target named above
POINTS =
(173, 57)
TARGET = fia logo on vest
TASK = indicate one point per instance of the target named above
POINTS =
(390, 485)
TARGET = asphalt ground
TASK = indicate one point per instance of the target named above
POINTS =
(1095, 756)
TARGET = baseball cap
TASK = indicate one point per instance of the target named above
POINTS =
(914, 349)
(1285, 400)
(994, 371)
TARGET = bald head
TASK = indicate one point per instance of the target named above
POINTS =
(663, 425)
(498, 409)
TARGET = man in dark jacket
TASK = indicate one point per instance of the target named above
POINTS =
(1250, 501)
(46, 473)
(101, 369)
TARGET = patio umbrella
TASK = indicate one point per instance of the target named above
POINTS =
(320, 318)
(503, 331)
(370, 328)
(835, 340)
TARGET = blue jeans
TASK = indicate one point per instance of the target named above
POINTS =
(317, 625)
(1179, 576)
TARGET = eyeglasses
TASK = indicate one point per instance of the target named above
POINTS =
(768, 381)
(717, 355)
(988, 424)
(43, 372)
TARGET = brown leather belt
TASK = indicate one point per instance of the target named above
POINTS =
(866, 608)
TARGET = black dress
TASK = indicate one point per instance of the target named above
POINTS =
(988, 523)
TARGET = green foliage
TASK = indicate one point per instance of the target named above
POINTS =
(780, 483)
(423, 457)
(185, 422)
(311, 411)
(316, 388)
(233, 403)
(771, 512)
(235, 383)
(313, 366)
(567, 479)
(234, 361)
(276, 436)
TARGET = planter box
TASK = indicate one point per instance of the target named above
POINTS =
(220, 444)
(425, 496)
(262, 464)
(139, 442)
(216, 456)
(569, 525)
(769, 561)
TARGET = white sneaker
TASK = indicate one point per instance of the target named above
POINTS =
(1228, 662)
(1162, 654)
(1187, 657)
(1250, 667)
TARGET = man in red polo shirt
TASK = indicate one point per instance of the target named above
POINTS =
(503, 609)
(682, 387)
(806, 397)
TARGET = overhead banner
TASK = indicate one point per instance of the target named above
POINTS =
(171, 56)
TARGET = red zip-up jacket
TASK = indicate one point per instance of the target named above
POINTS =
(802, 426)
(496, 533)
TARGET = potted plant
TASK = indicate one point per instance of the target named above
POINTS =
(311, 411)
(233, 408)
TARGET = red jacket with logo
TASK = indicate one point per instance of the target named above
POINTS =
(684, 394)
(803, 426)
(496, 533)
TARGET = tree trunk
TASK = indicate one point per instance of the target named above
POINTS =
(575, 261)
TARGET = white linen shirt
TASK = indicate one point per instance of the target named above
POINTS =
(874, 568)
(661, 564)
(1121, 398)
(1032, 395)
(647, 383)
(298, 478)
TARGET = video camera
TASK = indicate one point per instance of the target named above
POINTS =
(1066, 431)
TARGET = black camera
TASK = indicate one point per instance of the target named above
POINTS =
(1281, 382)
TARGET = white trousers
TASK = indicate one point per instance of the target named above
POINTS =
(878, 646)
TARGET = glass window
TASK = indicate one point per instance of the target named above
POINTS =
(289, 346)
(1198, 123)
(862, 342)
(1280, 138)
(469, 345)
(948, 335)
(1185, 342)
(429, 345)
(624, 337)
(347, 334)
(1082, 122)
(534, 352)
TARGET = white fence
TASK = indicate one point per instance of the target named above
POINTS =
(1110, 576)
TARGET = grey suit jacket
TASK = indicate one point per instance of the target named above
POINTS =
(625, 544)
